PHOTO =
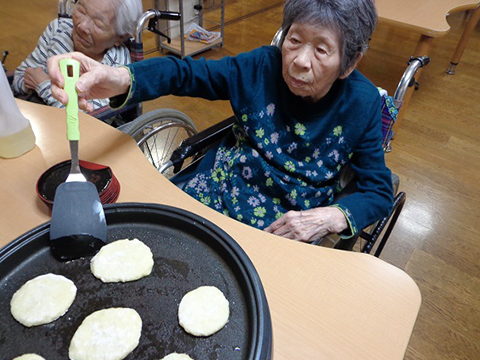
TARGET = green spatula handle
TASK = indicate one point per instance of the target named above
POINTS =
(71, 72)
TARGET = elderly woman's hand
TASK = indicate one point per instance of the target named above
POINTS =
(96, 81)
(34, 77)
(309, 225)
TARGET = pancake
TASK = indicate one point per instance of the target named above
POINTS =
(42, 300)
(175, 356)
(203, 311)
(108, 334)
(29, 357)
(122, 261)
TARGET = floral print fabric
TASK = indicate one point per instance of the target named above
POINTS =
(286, 153)
(272, 167)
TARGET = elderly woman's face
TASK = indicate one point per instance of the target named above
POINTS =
(311, 57)
(93, 27)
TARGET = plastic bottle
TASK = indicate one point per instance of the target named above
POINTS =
(16, 134)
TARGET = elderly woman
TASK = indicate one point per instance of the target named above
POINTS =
(303, 113)
(97, 28)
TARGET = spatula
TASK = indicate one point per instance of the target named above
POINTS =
(78, 227)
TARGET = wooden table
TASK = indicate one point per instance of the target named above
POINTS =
(426, 17)
(325, 303)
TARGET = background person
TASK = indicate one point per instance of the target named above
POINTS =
(97, 28)
(304, 113)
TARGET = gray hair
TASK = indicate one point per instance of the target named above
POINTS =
(353, 20)
(127, 14)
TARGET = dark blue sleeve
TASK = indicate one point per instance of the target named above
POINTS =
(373, 199)
(221, 79)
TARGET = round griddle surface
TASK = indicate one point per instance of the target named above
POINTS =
(188, 252)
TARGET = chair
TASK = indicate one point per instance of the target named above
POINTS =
(158, 132)
(378, 233)
(147, 21)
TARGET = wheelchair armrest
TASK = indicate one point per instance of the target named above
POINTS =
(199, 142)
(116, 117)
(388, 223)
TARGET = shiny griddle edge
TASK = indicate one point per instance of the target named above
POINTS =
(189, 251)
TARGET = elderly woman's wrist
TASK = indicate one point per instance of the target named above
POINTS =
(123, 87)
(124, 79)
(341, 223)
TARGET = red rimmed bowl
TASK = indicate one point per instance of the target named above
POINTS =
(101, 176)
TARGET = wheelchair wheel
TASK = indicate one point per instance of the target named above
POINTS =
(158, 133)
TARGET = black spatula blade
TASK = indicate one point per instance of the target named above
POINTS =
(78, 227)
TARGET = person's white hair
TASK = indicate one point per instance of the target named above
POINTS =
(127, 14)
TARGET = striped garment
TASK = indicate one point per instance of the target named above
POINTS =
(57, 39)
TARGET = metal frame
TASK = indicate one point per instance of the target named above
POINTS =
(182, 51)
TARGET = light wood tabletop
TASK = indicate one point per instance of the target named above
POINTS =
(324, 303)
(427, 17)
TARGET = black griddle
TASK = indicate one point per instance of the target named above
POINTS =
(189, 252)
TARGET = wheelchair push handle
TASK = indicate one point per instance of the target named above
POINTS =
(424, 60)
(167, 15)
(408, 78)
(4, 56)
(149, 21)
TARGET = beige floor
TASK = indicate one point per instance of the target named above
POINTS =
(436, 154)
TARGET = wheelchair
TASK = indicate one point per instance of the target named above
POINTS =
(118, 117)
(189, 153)
(158, 132)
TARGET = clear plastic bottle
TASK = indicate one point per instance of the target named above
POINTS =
(16, 134)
